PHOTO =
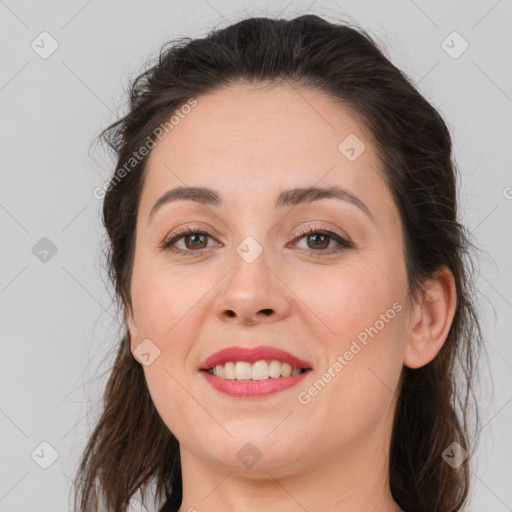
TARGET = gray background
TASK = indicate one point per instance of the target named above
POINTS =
(59, 325)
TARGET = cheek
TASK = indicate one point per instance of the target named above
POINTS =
(343, 302)
(161, 299)
(362, 334)
(356, 384)
(169, 319)
(168, 307)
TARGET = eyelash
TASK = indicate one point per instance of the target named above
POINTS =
(167, 244)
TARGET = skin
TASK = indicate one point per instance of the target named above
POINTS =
(331, 453)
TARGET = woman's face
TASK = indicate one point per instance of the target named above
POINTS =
(258, 278)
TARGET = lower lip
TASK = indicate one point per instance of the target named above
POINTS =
(253, 388)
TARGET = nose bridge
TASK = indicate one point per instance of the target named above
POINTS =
(251, 266)
(252, 232)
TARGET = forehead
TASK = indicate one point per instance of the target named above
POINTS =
(250, 142)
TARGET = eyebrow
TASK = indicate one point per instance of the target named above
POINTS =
(293, 197)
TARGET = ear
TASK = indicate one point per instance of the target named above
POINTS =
(431, 319)
(132, 329)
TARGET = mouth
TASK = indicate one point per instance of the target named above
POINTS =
(257, 363)
(249, 388)
(257, 371)
(253, 372)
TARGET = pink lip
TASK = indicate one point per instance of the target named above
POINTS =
(252, 355)
(252, 388)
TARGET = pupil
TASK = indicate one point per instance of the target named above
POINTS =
(195, 236)
(314, 236)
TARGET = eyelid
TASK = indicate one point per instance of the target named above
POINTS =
(312, 228)
(304, 230)
(343, 242)
(181, 232)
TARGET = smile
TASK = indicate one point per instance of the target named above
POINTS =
(249, 388)
(259, 370)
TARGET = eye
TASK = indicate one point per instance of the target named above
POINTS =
(321, 238)
(193, 238)
(195, 241)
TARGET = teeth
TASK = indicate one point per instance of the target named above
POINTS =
(260, 370)
(275, 369)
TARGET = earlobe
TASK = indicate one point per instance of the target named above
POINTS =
(433, 317)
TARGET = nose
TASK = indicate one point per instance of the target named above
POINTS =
(253, 293)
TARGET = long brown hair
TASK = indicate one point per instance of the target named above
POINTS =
(131, 449)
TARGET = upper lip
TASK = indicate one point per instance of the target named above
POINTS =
(251, 355)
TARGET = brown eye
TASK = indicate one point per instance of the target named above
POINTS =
(194, 242)
(318, 240)
(317, 243)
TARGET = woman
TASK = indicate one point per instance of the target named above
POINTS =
(296, 286)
